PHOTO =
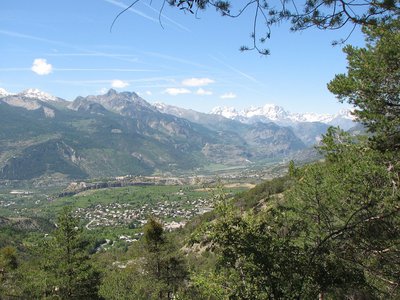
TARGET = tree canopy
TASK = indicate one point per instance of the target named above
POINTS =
(301, 14)
(371, 84)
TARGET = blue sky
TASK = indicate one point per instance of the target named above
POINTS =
(66, 48)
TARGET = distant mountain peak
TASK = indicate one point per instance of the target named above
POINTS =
(111, 92)
(125, 103)
(271, 111)
(38, 94)
(277, 114)
(225, 111)
(4, 93)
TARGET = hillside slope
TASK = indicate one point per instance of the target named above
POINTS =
(120, 133)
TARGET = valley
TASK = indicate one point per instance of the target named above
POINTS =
(131, 197)
(116, 159)
(48, 140)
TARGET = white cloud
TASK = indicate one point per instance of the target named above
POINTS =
(229, 95)
(148, 93)
(177, 91)
(102, 91)
(203, 92)
(41, 67)
(197, 81)
(119, 84)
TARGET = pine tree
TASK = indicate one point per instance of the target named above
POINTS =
(67, 264)
(165, 268)
(372, 84)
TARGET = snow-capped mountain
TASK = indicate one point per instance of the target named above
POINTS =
(39, 95)
(271, 111)
(277, 114)
(32, 99)
(4, 93)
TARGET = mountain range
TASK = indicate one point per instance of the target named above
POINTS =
(277, 114)
(308, 126)
(43, 136)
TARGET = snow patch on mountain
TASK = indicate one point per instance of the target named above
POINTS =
(4, 93)
(38, 94)
(31, 99)
(271, 111)
(277, 114)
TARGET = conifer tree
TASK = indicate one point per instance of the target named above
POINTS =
(165, 268)
(8, 267)
(67, 265)
(372, 83)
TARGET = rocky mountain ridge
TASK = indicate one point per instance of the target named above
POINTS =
(277, 114)
(120, 133)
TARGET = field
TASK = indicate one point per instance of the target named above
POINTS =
(115, 207)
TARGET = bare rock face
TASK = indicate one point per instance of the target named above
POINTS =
(125, 103)
(15, 100)
(31, 99)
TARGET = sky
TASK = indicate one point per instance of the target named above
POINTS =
(66, 48)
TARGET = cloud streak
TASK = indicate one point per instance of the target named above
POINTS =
(135, 11)
(177, 91)
(203, 92)
(133, 58)
(29, 37)
(84, 52)
(236, 70)
(147, 83)
(176, 59)
(103, 70)
(150, 18)
(229, 95)
(197, 81)
(167, 18)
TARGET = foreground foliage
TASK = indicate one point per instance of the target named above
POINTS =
(335, 233)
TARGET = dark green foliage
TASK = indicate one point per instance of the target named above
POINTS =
(334, 234)
(262, 192)
(65, 269)
(372, 84)
(341, 203)
(156, 268)
(153, 235)
(8, 259)
(249, 259)
(8, 275)
(163, 265)
(46, 158)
